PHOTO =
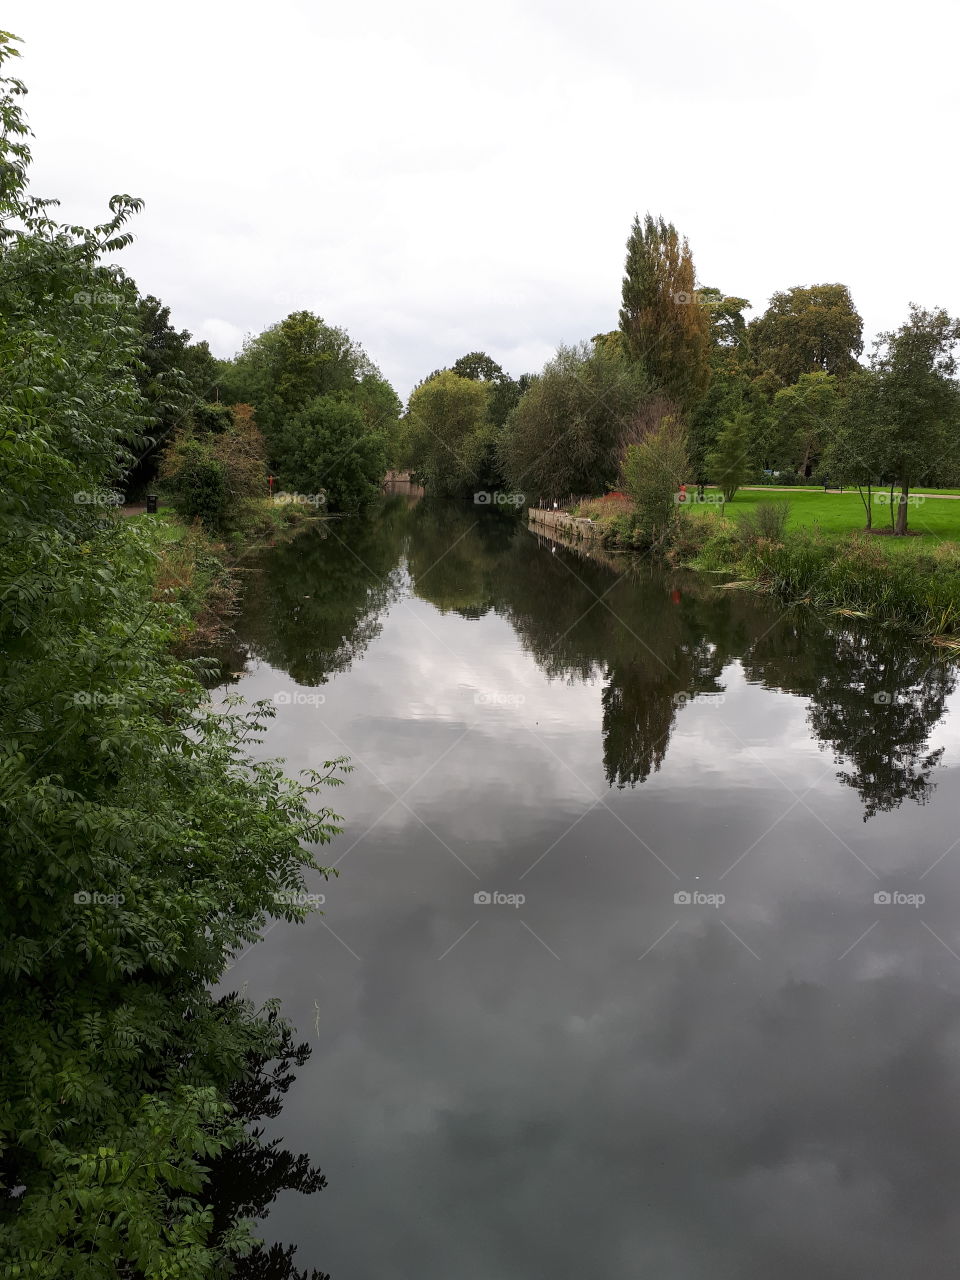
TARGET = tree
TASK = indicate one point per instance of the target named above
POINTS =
(174, 376)
(856, 446)
(653, 471)
(328, 449)
(505, 392)
(919, 400)
(449, 434)
(282, 370)
(808, 330)
(805, 412)
(664, 325)
(478, 366)
(729, 378)
(728, 465)
(141, 846)
(567, 433)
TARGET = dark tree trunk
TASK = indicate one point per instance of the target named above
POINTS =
(867, 504)
(900, 528)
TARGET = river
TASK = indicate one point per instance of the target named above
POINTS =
(644, 956)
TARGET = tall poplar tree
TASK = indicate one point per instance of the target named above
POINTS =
(664, 324)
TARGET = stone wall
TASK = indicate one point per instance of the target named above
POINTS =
(561, 522)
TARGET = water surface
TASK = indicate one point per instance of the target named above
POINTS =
(701, 1045)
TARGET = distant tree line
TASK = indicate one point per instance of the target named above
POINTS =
(783, 398)
(302, 402)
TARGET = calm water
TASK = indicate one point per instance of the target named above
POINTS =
(604, 1079)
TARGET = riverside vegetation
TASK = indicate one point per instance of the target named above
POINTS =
(142, 847)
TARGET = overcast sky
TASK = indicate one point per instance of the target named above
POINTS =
(441, 178)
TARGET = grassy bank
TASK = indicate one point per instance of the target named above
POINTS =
(198, 567)
(809, 553)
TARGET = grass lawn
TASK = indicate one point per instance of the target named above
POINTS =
(839, 514)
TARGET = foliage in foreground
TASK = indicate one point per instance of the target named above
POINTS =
(141, 848)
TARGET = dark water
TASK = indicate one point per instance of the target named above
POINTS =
(605, 1080)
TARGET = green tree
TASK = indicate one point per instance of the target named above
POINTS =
(856, 445)
(329, 449)
(174, 376)
(505, 392)
(805, 412)
(728, 465)
(664, 325)
(478, 366)
(808, 330)
(140, 846)
(568, 431)
(919, 401)
(282, 370)
(449, 434)
(653, 471)
(729, 378)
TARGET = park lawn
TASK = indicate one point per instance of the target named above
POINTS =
(818, 488)
(841, 514)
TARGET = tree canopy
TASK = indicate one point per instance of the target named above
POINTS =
(664, 324)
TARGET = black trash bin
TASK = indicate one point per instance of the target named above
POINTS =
(151, 504)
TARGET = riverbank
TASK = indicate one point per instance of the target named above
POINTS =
(913, 586)
(200, 568)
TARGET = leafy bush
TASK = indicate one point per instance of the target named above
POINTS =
(214, 475)
(196, 480)
(785, 480)
(653, 471)
(692, 533)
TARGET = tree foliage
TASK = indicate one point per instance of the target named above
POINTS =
(287, 367)
(808, 330)
(728, 465)
(450, 435)
(855, 450)
(653, 471)
(568, 431)
(805, 415)
(919, 400)
(729, 377)
(328, 448)
(141, 847)
(664, 325)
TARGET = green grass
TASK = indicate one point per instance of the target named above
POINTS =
(838, 515)
(169, 527)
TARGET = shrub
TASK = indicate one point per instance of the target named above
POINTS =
(196, 480)
(727, 464)
(213, 476)
(329, 449)
(653, 471)
(767, 520)
(693, 533)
